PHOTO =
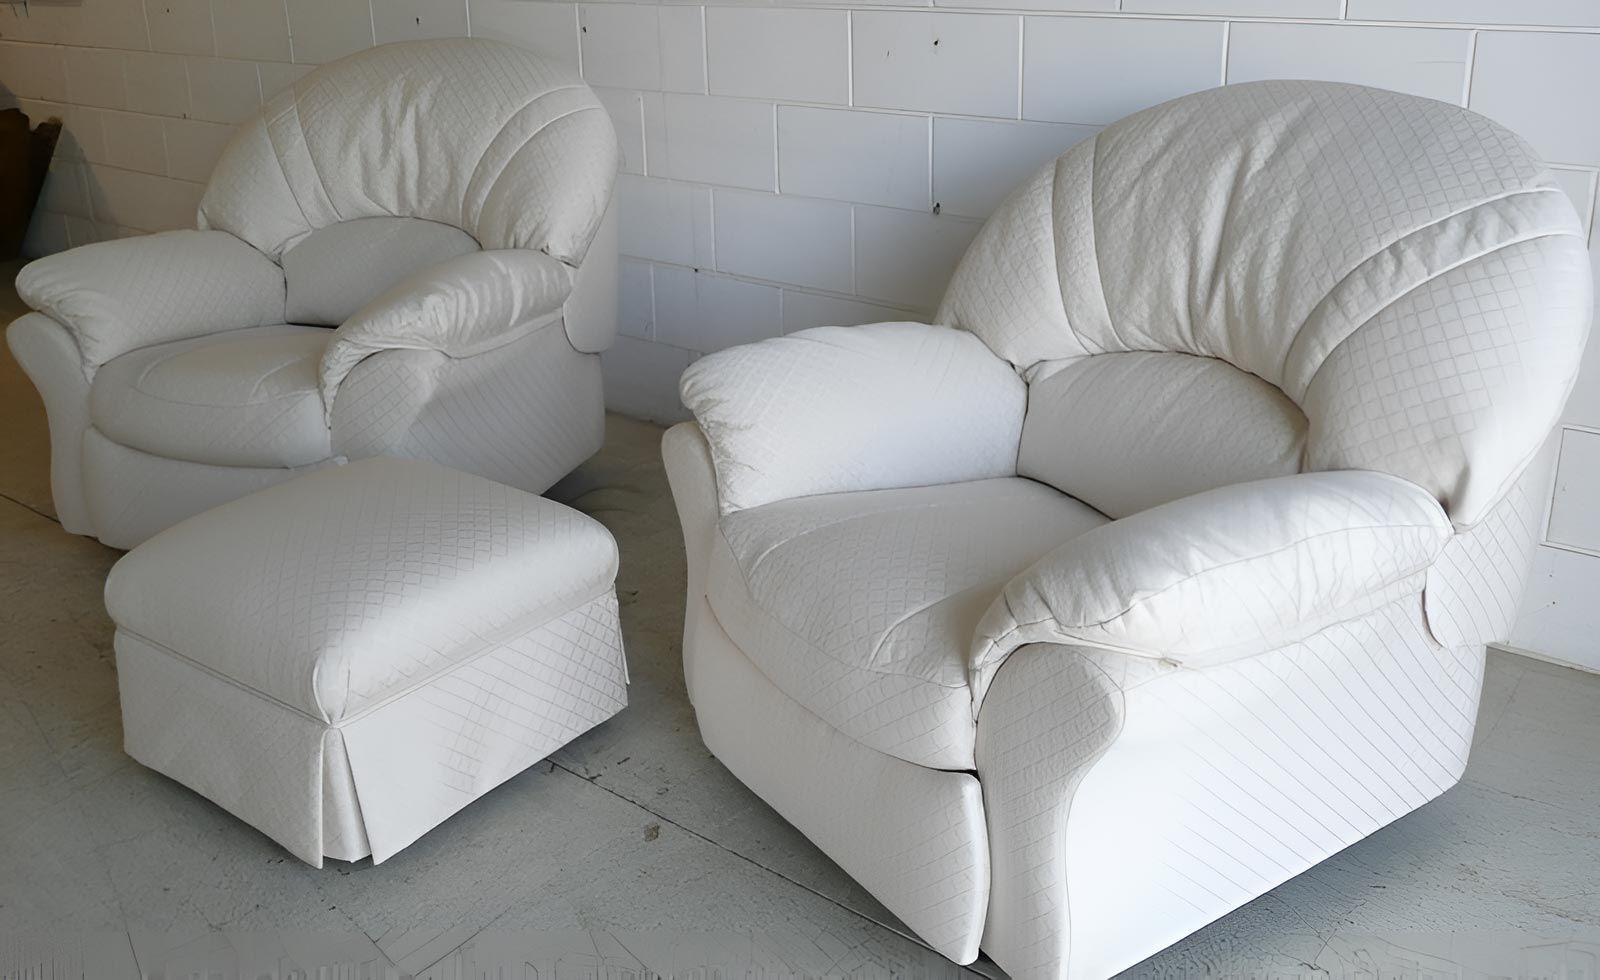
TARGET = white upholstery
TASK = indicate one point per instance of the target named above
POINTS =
(512, 149)
(460, 308)
(791, 417)
(49, 354)
(1132, 431)
(1279, 357)
(528, 410)
(856, 605)
(241, 398)
(130, 495)
(1348, 245)
(118, 296)
(1223, 574)
(1127, 808)
(926, 858)
(335, 271)
(445, 197)
(435, 631)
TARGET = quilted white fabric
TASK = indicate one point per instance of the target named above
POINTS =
(49, 355)
(590, 313)
(859, 605)
(1303, 341)
(359, 198)
(1223, 574)
(1476, 585)
(914, 837)
(241, 398)
(510, 148)
(335, 271)
(524, 414)
(1303, 232)
(327, 622)
(1223, 783)
(465, 306)
(1477, 403)
(437, 630)
(121, 295)
(835, 409)
(132, 495)
(1125, 432)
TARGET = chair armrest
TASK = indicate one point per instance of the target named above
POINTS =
(468, 305)
(1223, 574)
(122, 295)
(835, 409)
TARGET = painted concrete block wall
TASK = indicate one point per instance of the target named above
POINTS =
(796, 163)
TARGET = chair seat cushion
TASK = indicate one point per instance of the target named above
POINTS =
(861, 606)
(240, 398)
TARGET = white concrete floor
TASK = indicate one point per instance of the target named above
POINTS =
(634, 851)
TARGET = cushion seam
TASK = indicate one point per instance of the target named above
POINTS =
(365, 710)
(1439, 274)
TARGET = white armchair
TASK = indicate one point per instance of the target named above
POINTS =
(411, 252)
(1161, 567)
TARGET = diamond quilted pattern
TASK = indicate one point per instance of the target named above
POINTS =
(784, 416)
(1424, 390)
(1475, 586)
(347, 659)
(1224, 574)
(376, 783)
(132, 496)
(1166, 798)
(121, 295)
(1239, 676)
(1129, 431)
(859, 605)
(512, 149)
(335, 271)
(1392, 263)
(525, 414)
(420, 758)
(333, 591)
(236, 398)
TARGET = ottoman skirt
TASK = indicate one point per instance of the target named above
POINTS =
(372, 784)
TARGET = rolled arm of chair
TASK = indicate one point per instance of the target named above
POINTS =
(1223, 574)
(466, 306)
(836, 409)
(118, 296)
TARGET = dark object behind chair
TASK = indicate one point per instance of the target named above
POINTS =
(24, 159)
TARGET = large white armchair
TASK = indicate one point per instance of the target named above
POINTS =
(1161, 566)
(410, 252)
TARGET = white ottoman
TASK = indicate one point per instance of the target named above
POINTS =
(347, 659)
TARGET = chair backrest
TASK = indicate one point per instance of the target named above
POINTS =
(1284, 276)
(477, 143)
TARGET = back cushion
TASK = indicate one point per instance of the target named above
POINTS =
(511, 148)
(335, 271)
(1404, 270)
(1125, 432)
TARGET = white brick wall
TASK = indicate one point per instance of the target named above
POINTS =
(802, 162)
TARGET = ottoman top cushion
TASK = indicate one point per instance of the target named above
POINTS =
(337, 590)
